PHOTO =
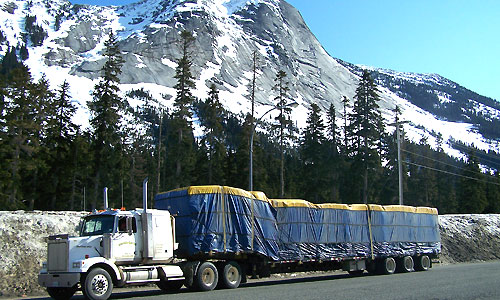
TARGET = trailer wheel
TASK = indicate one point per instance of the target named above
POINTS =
(61, 293)
(97, 285)
(372, 267)
(206, 277)
(387, 266)
(422, 263)
(170, 285)
(405, 264)
(230, 275)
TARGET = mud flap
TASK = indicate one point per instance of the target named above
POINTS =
(189, 269)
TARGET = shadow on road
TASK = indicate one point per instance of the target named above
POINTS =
(270, 282)
(142, 292)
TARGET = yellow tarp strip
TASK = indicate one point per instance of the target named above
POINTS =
(260, 196)
(214, 189)
(292, 203)
(358, 207)
(333, 205)
(403, 208)
(355, 207)
(427, 210)
(210, 189)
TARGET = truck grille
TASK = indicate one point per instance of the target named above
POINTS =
(57, 258)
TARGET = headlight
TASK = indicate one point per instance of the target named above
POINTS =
(77, 264)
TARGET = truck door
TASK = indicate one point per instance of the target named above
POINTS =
(124, 241)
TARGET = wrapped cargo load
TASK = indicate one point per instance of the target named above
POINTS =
(309, 231)
(216, 220)
(219, 220)
(404, 230)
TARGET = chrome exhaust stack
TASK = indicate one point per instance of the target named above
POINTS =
(145, 195)
(106, 206)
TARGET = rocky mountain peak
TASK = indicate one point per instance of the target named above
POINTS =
(227, 33)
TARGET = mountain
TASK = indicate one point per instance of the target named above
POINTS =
(65, 42)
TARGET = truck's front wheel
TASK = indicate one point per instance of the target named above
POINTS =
(207, 277)
(61, 293)
(97, 285)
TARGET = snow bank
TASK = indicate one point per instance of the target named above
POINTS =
(23, 246)
(23, 243)
(469, 237)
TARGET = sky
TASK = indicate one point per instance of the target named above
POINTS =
(457, 39)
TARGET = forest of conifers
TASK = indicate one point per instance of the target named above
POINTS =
(345, 155)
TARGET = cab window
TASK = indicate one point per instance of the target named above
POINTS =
(122, 224)
(97, 225)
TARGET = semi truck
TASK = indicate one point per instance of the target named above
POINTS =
(204, 237)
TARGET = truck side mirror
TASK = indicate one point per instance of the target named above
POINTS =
(130, 229)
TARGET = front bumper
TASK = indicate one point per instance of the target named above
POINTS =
(58, 279)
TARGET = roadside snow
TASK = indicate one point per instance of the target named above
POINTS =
(23, 245)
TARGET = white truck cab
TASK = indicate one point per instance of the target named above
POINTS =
(114, 248)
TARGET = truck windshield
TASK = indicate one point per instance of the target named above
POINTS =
(96, 225)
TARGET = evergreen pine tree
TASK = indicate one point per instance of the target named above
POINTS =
(181, 150)
(23, 52)
(423, 189)
(42, 100)
(345, 116)
(10, 61)
(472, 189)
(105, 116)
(212, 118)
(493, 194)
(334, 162)
(282, 103)
(313, 152)
(21, 133)
(366, 126)
(59, 139)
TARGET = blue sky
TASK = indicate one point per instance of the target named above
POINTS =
(457, 39)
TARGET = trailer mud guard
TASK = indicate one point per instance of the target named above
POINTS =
(189, 269)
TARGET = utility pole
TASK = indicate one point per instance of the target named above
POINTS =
(158, 163)
(400, 164)
(252, 125)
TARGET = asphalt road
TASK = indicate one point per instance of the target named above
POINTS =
(460, 281)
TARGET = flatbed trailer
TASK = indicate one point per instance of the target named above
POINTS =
(264, 236)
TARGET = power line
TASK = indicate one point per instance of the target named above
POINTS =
(460, 168)
(463, 146)
(435, 160)
(451, 173)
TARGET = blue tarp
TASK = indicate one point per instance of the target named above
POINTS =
(315, 232)
(220, 219)
(215, 219)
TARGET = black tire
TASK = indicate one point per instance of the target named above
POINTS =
(423, 263)
(170, 285)
(230, 275)
(405, 264)
(206, 277)
(97, 285)
(371, 267)
(61, 293)
(387, 266)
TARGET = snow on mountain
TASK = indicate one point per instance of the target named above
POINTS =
(227, 32)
